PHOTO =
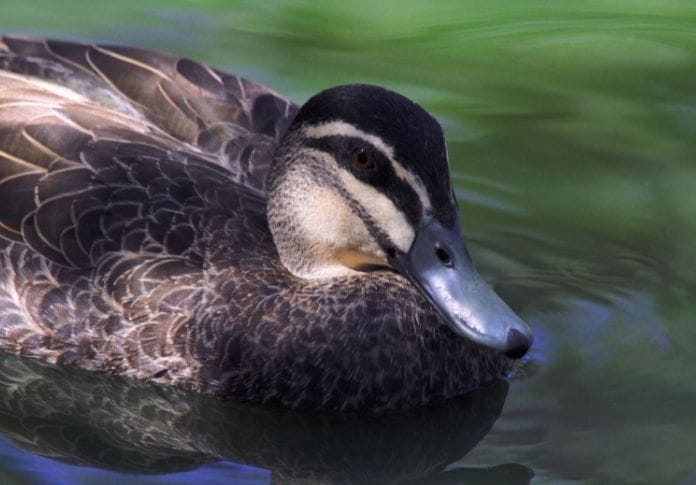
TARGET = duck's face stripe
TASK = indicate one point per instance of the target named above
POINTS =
(343, 129)
(394, 216)
(378, 212)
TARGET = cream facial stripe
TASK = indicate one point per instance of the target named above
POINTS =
(381, 209)
(341, 128)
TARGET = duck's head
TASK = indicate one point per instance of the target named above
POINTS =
(361, 182)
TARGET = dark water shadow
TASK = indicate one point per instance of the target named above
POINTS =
(85, 418)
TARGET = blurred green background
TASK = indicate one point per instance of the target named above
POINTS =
(572, 137)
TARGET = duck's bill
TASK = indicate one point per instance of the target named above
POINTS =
(438, 264)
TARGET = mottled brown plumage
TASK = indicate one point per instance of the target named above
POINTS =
(134, 240)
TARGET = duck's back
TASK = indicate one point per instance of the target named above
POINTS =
(235, 122)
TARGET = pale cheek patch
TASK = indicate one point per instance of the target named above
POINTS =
(327, 220)
(316, 232)
(381, 209)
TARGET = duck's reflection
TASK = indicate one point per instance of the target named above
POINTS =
(86, 418)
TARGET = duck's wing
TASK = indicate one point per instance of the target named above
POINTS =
(79, 181)
(107, 225)
(236, 121)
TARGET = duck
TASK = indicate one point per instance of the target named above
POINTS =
(170, 222)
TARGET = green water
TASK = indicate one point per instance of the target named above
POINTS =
(572, 138)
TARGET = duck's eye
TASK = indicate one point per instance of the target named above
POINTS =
(362, 160)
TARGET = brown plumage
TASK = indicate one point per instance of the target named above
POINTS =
(134, 240)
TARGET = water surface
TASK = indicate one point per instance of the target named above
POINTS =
(572, 138)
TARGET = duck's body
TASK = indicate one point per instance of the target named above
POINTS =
(135, 239)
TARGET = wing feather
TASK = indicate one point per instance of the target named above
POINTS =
(231, 118)
(79, 180)
(118, 167)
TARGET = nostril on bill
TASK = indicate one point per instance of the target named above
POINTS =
(517, 344)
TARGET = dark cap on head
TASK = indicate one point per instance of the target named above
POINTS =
(415, 136)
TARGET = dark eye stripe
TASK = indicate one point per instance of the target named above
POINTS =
(384, 178)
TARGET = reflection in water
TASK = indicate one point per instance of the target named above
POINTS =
(509, 474)
(86, 418)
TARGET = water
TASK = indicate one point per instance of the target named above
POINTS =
(572, 138)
